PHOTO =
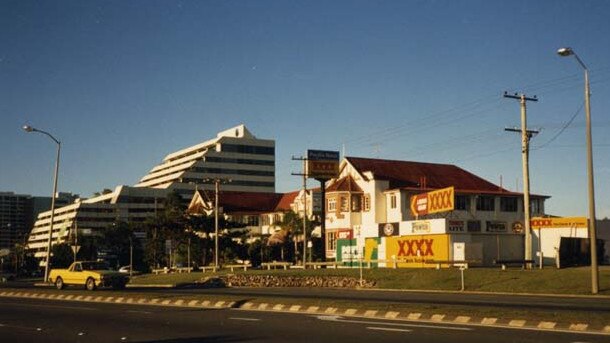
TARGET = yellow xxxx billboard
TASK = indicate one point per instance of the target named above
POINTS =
(440, 200)
(413, 251)
(563, 222)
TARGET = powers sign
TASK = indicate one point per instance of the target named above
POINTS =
(322, 164)
(441, 200)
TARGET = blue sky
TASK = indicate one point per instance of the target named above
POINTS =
(123, 83)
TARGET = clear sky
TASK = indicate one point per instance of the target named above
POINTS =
(123, 83)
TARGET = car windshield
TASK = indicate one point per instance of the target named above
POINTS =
(95, 266)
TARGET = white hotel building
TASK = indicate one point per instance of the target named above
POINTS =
(235, 154)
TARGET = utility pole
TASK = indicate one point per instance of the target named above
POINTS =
(217, 182)
(323, 217)
(304, 174)
(525, 138)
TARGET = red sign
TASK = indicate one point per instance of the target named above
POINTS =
(415, 247)
(344, 234)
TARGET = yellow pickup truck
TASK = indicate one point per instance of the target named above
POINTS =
(90, 274)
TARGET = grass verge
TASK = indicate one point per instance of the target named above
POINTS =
(549, 280)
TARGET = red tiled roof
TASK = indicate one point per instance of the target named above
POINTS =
(251, 202)
(286, 200)
(406, 174)
(244, 202)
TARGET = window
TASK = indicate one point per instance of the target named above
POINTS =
(366, 202)
(536, 206)
(331, 241)
(252, 220)
(462, 202)
(393, 201)
(508, 204)
(238, 161)
(277, 219)
(486, 203)
(248, 149)
(356, 200)
(344, 207)
(332, 204)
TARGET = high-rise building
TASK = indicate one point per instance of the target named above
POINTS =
(244, 162)
(235, 154)
(15, 210)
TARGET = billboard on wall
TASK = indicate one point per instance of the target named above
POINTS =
(371, 249)
(347, 251)
(441, 200)
(322, 164)
(388, 229)
(564, 222)
(413, 251)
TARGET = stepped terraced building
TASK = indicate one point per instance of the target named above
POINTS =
(246, 163)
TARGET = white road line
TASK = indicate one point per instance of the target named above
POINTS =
(387, 329)
(10, 326)
(245, 319)
(59, 306)
(341, 320)
(140, 312)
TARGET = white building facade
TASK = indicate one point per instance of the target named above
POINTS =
(371, 200)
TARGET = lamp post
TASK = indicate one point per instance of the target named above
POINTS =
(28, 128)
(591, 186)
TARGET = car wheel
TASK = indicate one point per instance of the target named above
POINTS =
(90, 284)
(59, 283)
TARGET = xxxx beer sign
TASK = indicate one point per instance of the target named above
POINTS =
(562, 222)
(413, 251)
(441, 200)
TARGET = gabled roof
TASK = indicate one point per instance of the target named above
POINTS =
(286, 200)
(418, 175)
(344, 184)
(244, 202)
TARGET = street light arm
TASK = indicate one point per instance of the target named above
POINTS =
(581, 62)
(28, 128)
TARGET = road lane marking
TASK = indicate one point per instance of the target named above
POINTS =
(19, 327)
(387, 329)
(140, 312)
(57, 306)
(424, 326)
(245, 319)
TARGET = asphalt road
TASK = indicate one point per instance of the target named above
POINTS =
(36, 320)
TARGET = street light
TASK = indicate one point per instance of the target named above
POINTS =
(28, 128)
(591, 186)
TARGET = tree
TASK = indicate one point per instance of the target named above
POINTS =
(61, 256)
(293, 224)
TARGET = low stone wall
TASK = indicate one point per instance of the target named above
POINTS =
(244, 280)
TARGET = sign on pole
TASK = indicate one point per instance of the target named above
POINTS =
(441, 200)
(322, 164)
(75, 248)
